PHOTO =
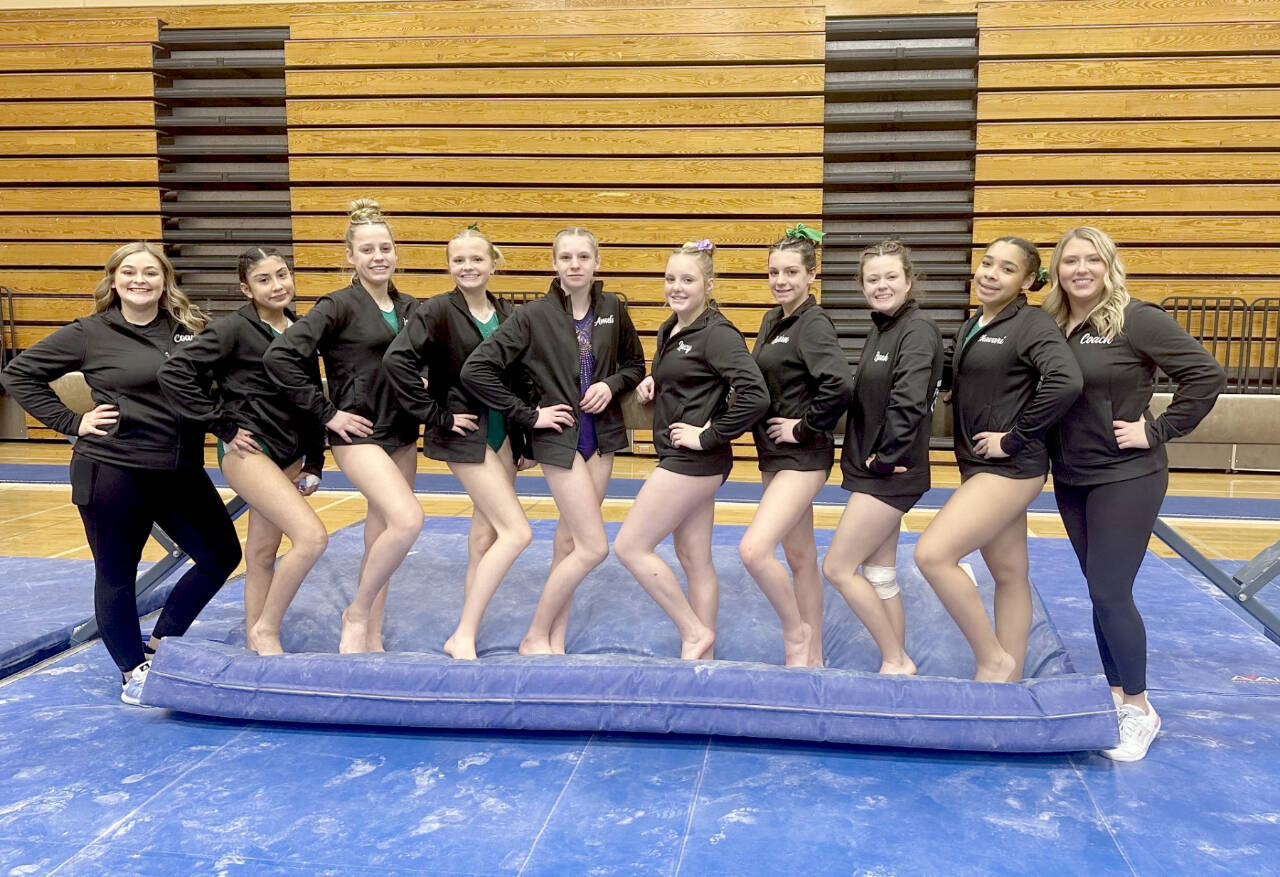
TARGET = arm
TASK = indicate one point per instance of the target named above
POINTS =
(727, 354)
(630, 356)
(27, 378)
(483, 370)
(403, 363)
(908, 408)
(286, 359)
(1060, 382)
(820, 351)
(186, 380)
(1197, 376)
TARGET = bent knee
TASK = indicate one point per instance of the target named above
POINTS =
(592, 551)
(929, 557)
(754, 555)
(312, 540)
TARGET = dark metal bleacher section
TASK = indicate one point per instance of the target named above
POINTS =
(901, 109)
(224, 153)
(1244, 336)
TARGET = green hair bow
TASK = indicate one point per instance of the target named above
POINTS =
(803, 232)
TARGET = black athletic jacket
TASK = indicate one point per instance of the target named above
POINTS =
(1016, 376)
(808, 378)
(348, 330)
(119, 361)
(1118, 380)
(693, 373)
(540, 337)
(218, 379)
(893, 397)
(436, 342)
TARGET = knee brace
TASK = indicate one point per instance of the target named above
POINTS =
(883, 578)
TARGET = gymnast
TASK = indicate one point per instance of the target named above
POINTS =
(809, 388)
(579, 353)
(271, 453)
(476, 442)
(1013, 377)
(136, 461)
(372, 437)
(700, 358)
(885, 459)
(1110, 468)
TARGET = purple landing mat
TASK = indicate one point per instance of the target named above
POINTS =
(43, 601)
(622, 674)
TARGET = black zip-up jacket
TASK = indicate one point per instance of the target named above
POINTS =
(693, 373)
(436, 342)
(1118, 379)
(1016, 376)
(809, 379)
(540, 337)
(348, 330)
(119, 361)
(893, 398)
(218, 380)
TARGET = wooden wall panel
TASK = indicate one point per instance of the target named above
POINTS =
(649, 128)
(1154, 120)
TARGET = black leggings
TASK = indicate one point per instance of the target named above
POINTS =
(1110, 526)
(118, 506)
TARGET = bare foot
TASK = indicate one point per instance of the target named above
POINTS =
(354, 632)
(535, 646)
(373, 642)
(903, 666)
(460, 647)
(1001, 671)
(264, 641)
(700, 647)
(797, 650)
(816, 658)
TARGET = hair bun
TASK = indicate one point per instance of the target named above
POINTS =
(365, 210)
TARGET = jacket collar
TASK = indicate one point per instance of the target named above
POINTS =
(557, 293)
(884, 321)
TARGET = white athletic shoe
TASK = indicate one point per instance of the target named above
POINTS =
(1137, 730)
(131, 693)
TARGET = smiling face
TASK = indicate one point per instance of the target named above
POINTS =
(685, 287)
(789, 280)
(269, 284)
(373, 254)
(470, 263)
(139, 282)
(1081, 271)
(1001, 275)
(885, 284)
(575, 260)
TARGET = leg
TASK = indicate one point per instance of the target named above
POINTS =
(394, 521)
(1006, 557)
(665, 500)
(1072, 503)
(802, 557)
(276, 508)
(490, 486)
(600, 466)
(692, 541)
(867, 532)
(980, 509)
(788, 495)
(575, 497)
(201, 527)
(885, 557)
(117, 522)
(406, 460)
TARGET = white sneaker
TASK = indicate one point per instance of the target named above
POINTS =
(1137, 730)
(132, 691)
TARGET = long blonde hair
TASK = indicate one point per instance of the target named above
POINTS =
(173, 301)
(1107, 318)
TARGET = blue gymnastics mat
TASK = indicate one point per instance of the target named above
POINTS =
(620, 675)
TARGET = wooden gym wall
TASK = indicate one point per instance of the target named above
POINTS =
(1155, 120)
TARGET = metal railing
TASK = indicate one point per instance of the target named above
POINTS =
(1243, 336)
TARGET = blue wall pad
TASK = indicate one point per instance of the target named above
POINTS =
(621, 674)
(43, 601)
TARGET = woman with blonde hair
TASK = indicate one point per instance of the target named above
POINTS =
(480, 445)
(371, 436)
(1110, 468)
(136, 461)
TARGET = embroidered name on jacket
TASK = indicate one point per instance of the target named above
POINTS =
(684, 348)
(180, 338)
(781, 339)
(987, 339)
(881, 357)
(604, 321)
(1086, 338)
